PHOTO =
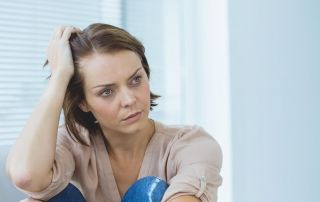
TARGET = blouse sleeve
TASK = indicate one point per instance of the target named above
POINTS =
(63, 169)
(197, 158)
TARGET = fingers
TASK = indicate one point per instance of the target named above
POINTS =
(57, 33)
(67, 32)
(59, 51)
(64, 32)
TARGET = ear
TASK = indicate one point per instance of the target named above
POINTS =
(84, 106)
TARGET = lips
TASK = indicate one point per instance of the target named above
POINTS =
(131, 115)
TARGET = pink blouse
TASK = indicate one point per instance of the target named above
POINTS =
(186, 157)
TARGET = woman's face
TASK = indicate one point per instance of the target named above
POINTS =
(116, 89)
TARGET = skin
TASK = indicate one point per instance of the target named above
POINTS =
(128, 93)
(186, 199)
(34, 172)
(115, 86)
(110, 105)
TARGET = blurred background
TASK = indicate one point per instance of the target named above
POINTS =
(247, 71)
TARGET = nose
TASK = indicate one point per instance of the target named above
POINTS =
(127, 98)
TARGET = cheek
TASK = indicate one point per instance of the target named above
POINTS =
(101, 109)
(145, 94)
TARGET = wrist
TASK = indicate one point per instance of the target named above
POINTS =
(61, 76)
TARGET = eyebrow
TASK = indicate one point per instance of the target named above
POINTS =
(113, 84)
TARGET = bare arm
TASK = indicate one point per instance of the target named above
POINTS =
(30, 161)
(186, 199)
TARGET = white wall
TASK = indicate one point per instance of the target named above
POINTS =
(275, 96)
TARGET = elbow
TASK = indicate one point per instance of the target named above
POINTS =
(22, 180)
(25, 181)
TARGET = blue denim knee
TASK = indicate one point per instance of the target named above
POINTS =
(147, 189)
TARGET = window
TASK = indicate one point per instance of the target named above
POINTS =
(26, 26)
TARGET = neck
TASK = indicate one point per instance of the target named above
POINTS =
(128, 147)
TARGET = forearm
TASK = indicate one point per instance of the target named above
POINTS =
(31, 158)
(185, 199)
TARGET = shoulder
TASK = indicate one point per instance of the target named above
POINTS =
(186, 134)
(178, 131)
(191, 143)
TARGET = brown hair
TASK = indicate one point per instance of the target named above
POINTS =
(96, 38)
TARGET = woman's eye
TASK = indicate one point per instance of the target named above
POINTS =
(136, 80)
(106, 92)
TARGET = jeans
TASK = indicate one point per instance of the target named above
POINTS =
(147, 189)
(69, 194)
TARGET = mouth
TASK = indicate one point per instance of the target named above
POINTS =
(131, 116)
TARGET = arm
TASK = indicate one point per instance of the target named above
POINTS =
(196, 159)
(185, 199)
(30, 161)
(30, 200)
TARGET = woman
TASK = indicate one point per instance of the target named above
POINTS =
(100, 78)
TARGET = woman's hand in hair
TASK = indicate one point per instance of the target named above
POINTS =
(59, 52)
